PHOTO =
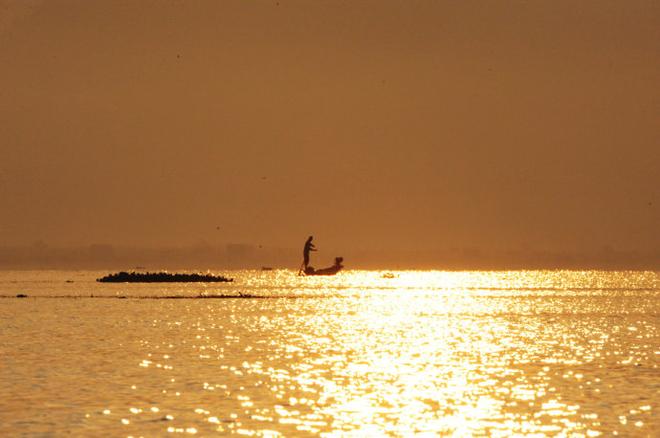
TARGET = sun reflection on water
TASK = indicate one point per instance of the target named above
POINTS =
(371, 353)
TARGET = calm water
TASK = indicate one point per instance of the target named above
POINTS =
(454, 353)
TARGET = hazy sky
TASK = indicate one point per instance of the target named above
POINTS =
(371, 124)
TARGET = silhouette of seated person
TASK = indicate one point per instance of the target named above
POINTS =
(309, 270)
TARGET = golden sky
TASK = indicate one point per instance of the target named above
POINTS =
(370, 124)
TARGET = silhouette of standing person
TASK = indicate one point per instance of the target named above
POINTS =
(309, 246)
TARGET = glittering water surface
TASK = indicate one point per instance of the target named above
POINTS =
(456, 353)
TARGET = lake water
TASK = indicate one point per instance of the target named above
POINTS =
(425, 352)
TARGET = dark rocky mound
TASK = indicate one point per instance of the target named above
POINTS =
(161, 277)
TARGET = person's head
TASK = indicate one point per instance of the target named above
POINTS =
(309, 239)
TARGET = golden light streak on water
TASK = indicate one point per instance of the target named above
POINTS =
(365, 353)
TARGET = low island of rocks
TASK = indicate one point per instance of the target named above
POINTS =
(161, 277)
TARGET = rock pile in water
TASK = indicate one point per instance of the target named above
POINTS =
(161, 277)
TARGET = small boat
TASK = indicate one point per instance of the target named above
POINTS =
(332, 270)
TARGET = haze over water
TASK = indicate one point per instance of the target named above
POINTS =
(418, 132)
(429, 352)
